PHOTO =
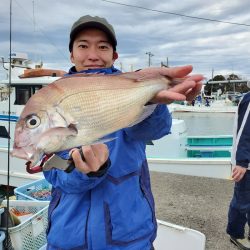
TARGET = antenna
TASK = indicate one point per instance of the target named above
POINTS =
(33, 9)
(149, 57)
(34, 30)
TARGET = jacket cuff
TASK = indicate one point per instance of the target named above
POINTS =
(242, 164)
(102, 170)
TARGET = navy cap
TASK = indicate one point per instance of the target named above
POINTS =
(85, 22)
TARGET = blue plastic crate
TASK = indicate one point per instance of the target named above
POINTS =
(39, 190)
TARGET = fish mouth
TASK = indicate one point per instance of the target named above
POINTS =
(21, 153)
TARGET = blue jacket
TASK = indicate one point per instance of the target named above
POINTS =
(241, 149)
(114, 211)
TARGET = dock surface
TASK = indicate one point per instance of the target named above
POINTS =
(199, 203)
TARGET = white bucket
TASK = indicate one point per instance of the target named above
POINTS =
(175, 237)
(2, 237)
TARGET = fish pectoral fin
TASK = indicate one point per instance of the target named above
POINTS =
(139, 76)
(66, 116)
(103, 140)
(146, 112)
(54, 138)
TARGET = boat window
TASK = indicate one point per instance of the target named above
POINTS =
(3, 132)
(24, 92)
(35, 89)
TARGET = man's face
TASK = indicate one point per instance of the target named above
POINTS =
(91, 50)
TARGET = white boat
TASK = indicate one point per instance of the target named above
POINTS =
(172, 154)
(217, 106)
(216, 102)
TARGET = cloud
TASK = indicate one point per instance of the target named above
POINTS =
(43, 32)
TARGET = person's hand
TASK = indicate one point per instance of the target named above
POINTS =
(187, 89)
(95, 156)
(238, 173)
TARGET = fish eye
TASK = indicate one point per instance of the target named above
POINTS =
(33, 122)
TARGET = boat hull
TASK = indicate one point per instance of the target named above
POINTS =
(203, 167)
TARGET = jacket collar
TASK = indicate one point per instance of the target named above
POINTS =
(106, 71)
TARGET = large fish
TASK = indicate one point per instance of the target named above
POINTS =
(81, 110)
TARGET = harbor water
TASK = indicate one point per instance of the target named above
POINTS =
(207, 123)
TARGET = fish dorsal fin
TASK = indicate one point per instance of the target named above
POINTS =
(83, 75)
(139, 76)
(147, 111)
(136, 76)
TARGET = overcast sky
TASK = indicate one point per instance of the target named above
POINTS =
(43, 32)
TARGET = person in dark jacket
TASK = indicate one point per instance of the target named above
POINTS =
(239, 209)
(106, 202)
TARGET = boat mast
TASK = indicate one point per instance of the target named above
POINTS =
(9, 112)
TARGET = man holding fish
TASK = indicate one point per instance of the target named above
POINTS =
(106, 201)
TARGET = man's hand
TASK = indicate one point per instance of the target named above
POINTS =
(238, 173)
(185, 90)
(95, 156)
